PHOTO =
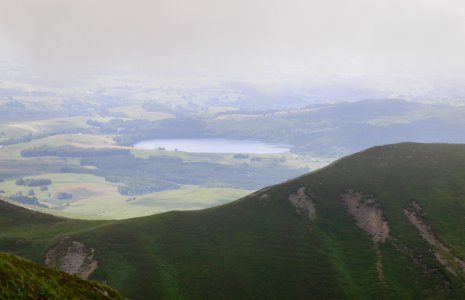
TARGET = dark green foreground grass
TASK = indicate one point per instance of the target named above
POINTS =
(22, 279)
(259, 247)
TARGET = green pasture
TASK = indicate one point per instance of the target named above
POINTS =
(14, 151)
(95, 198)
(138, 112)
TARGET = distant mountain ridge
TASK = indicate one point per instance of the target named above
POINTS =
(347, 127)
(385, 223)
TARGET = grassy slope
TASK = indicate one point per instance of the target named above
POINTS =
(22, 279)
(261, 248)
(30, 233)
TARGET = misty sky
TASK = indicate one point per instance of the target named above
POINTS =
(385, 41)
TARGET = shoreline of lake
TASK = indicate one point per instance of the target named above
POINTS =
(213, 145)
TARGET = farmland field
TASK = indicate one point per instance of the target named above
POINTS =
(95, 172)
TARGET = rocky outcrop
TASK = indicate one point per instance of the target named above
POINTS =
(303, 203)
(72, 257)
(368, 214)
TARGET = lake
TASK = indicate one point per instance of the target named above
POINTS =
(213, 145)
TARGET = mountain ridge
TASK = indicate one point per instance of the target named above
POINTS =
(368, 225)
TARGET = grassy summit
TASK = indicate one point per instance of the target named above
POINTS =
(387, 222)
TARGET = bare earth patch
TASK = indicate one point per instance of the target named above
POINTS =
(369, 216)
(303, 203)
(72, 257)
(264, 199)
(442, 253)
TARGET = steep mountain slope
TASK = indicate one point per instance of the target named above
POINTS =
(22, 279)
(387, 222)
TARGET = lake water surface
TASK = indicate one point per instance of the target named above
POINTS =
(213, 145)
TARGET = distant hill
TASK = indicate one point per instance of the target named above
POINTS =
(385, 223)
(22, 279)
(345, 128)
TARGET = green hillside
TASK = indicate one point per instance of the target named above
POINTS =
(22, 279)
(385, 223)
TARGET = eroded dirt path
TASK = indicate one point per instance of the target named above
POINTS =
(442, 253)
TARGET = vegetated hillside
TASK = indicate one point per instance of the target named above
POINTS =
(22, 279)
(387, 222)
(29, 233)
(342, 128)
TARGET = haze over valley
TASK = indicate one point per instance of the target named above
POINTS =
(93, 154)
(218, 149)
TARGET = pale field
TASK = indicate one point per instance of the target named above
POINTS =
(95, 198)
(51, 101)
(7, 132)
(220, 109)
(122, 207)
(291, 160)
(106, 141)
(138, 112)
(14, 129)
(187, 156)
(14, 151)
(82, 186)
